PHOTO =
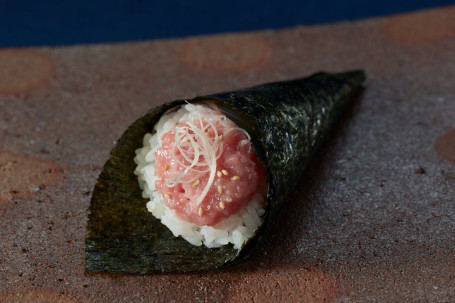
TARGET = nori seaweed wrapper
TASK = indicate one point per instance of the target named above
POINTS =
(287, 122)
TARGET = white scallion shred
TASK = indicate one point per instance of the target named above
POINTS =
(199, 151)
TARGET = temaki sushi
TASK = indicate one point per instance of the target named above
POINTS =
(193, 183)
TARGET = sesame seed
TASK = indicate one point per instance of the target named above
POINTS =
(222, 205)
(196, 182)
(218, 173)
(220, 138)
(228, 199)
(166, 167)
(235, 178)
(168, 196)
(200, 212)
(225, 172)
(220, 189)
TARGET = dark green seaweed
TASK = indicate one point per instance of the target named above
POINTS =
(287, 122)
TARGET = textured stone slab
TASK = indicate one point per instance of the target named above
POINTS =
(372, 220)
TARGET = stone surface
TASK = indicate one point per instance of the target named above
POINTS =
(230, 52)
(20, 176)
(23, 70)
(373, 219)
(445, 146)
(34, 296)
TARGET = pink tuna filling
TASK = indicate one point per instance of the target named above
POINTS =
(238, 174)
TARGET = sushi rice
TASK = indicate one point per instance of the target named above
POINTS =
(237, 229)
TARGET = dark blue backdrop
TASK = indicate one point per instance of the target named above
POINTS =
(34, 22)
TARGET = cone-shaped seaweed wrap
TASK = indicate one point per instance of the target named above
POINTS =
(286, 121)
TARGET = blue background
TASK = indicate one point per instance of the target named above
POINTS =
(35, 23)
